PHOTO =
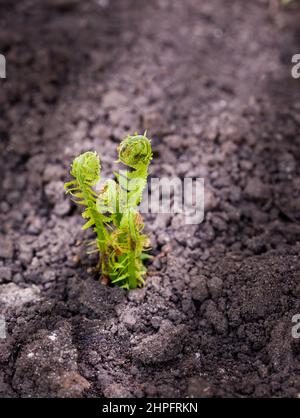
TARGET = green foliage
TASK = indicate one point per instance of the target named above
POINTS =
(113, 213)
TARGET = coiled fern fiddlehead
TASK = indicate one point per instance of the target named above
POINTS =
(135, 152)
(113, 212)
(86, 172)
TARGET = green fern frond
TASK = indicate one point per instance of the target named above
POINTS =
(86, 172)
(136, 153)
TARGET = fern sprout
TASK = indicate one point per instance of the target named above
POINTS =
(113, 212)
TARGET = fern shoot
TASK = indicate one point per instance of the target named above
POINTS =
(113, 212)
(86, 172)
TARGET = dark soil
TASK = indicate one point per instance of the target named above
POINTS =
(211, 81)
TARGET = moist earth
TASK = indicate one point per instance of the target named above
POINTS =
(211, 82)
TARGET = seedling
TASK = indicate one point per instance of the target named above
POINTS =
(113, 212)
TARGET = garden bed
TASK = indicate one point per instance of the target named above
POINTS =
(211, 82)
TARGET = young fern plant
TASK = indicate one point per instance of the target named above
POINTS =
(86, 172)
(113, 212)
(136, 153)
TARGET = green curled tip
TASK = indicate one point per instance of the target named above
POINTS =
(135, 151)
(87, 166)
